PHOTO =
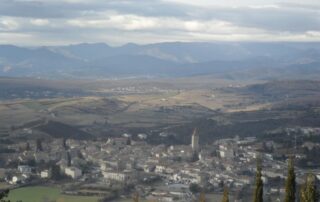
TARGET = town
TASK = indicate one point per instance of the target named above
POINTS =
(159, 101)
(118, 167)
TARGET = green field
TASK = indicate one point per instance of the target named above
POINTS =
(40, 194)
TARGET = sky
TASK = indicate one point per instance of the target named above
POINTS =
(117, 22)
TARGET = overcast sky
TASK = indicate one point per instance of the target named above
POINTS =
(116, 22)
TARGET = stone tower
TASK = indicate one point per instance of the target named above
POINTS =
(195, 141)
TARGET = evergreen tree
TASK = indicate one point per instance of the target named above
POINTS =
(69, 159)
(135, 197)
(258, 192)
(194, 188)
(290, 195)
(39, 145)
(55, 172)
(64, 143)
(225, 197)
(202, 197)
(308, 191)
(28, 148)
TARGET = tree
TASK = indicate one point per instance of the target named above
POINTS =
(290, 195)
(308, 192)
(194, 188)
(69, 159)
(225, 197)
(28, 148)
(258, 192)
(39, 145)
(64, 143)
(55, 172)
(202, 197)
(135, 197)
(4, 194)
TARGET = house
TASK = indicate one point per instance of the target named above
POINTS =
(63, 163)
(226, 151)
(142, 136)
(120, 142)
(160, 168)
(119, 176)
(24, 169)
(73, 172)
(149, 168)
(45, 174)
(41, 156)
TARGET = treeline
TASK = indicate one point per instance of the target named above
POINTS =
(307, 193)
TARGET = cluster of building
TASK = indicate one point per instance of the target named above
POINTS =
(157, 171)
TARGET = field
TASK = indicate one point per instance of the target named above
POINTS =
(4, 185)
(111, 108)
(40, 194)
(130, 103)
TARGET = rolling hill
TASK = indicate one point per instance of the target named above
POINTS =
(230, 60)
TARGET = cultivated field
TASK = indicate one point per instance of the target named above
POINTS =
(137, 106)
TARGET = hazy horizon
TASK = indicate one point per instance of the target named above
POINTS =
(156, 43)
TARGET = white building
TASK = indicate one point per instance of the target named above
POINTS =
(142, 136)
(160, 168)
(45, 174)
(73, 172)
(118, 176)
(228, 149)
(25, 169)
(63, 163)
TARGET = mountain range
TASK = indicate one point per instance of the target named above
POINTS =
(228, 60)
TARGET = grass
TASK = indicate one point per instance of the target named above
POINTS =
(40, 194)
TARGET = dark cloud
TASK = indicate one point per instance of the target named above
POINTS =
(35, 9)
(288, 17)
(279, 19)
(65, 9)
